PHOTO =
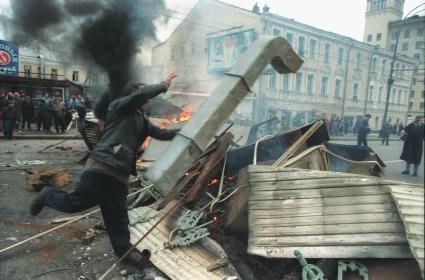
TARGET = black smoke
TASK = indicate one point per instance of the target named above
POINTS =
(108, 33)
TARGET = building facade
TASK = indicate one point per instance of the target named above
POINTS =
(340, 77)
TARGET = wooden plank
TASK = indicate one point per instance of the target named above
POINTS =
(328, 220)
(408, 197)
(408, 189)
(279, 230)
(325, 210)
(331, 240)
(323, 192)
(296, 175)
(377, 251)
(291, 202)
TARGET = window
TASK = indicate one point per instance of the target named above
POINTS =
(410, 105)
(326, 52)
(417, 56)
(394, 35)
(403, 70)
(27, 71)
(272, 80)
(290, 38)
(324, 86)
(420, 32)
(340, 56)
(393, 96)
(301, 46)
(378, 37)
(370, 97)
(338, 88)
(412, 93)
(423, 94)
(421, 105)
(381, 92)
(172, 53)
(310, 83)
(41, 72)
(399, 97)
(384, 66)
(54, 74)
(369, 38)
(358, 60)
(397, 67)
(285, 82)
(355, 91)
(182, 51)
(407, 34)
(374, 64)
(405, 46)
(392, 47)
(312, 49)
(276, 32)
(298, 83)
(419, 45)
(193, 48)
(75, 76)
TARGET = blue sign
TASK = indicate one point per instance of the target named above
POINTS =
(9, 59)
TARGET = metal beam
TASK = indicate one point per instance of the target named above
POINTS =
(200, 130)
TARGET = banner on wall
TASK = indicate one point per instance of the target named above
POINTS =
(9, 59)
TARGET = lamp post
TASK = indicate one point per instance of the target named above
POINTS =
(390, 79)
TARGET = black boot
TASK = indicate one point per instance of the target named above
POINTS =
(37, 204)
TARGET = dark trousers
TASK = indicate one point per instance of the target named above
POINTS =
(47, 124)
(385, 139)
(8, 127)
(97, 189)
(59, 122)
(362, 139)
(26, 119)
(40, 123)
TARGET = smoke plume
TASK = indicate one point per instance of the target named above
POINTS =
(108, 33)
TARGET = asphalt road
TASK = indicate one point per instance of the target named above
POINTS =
(391, 156)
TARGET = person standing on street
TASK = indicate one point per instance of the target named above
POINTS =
(363, 131)
(27, 113)
(386, 131)
(413, 145)
(39, 114)
(9, 119)
(104, 181)
(59, 109)
(48, 114)
(18, 108)
(3, 105)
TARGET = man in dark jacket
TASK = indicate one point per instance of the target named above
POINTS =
(27, 113)
(48, 114)
(105, 178)
(39, 114)
(9, 119)
(386, 131)
(413, 145)
(363, 131)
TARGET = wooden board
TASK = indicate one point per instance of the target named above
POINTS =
(182, 262)
(49, 176)
(412, 217)
(324, 214)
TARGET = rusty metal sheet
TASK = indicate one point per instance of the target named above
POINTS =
(180, 263)
(410, 205)
(324, 214)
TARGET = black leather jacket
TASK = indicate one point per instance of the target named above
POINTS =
(126, 128)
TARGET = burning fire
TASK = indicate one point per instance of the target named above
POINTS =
(186, 115)
(146, 143)
(213, 182)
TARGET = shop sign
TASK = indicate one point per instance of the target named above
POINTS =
(9, 59)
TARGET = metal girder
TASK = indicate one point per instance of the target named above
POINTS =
(201, 128)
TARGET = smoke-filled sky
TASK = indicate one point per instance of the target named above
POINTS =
(345, 17)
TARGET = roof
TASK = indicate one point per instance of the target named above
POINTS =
(38, 82)
(326, 215)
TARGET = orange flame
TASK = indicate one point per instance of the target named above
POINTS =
(186, 115)
(145, 144)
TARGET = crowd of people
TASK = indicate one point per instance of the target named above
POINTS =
(20, 112)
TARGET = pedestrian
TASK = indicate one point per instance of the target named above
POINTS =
(104, 181)
(46, 98)
(82, 112)
(413, 145)
(39, 114)
(386, 131)
(3, 105)
(363, 131)
(400, 128)
(88, 103)
(48, 115)
(9, 119)
(27, 113)
(18, 108)
(59, 115)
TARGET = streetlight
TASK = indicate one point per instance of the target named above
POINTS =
(390, 79)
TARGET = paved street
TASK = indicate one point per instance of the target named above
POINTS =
(391, 156)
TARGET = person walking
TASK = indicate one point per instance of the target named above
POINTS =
(27, 113)
(9, 119)
(104, 181)
(400, 128)
(413, 145)
(386, 131)
(363, 131)
(59, 115)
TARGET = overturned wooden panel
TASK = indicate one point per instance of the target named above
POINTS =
(410, 205)
(49, 176)
(181, 262)
(324, 214)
